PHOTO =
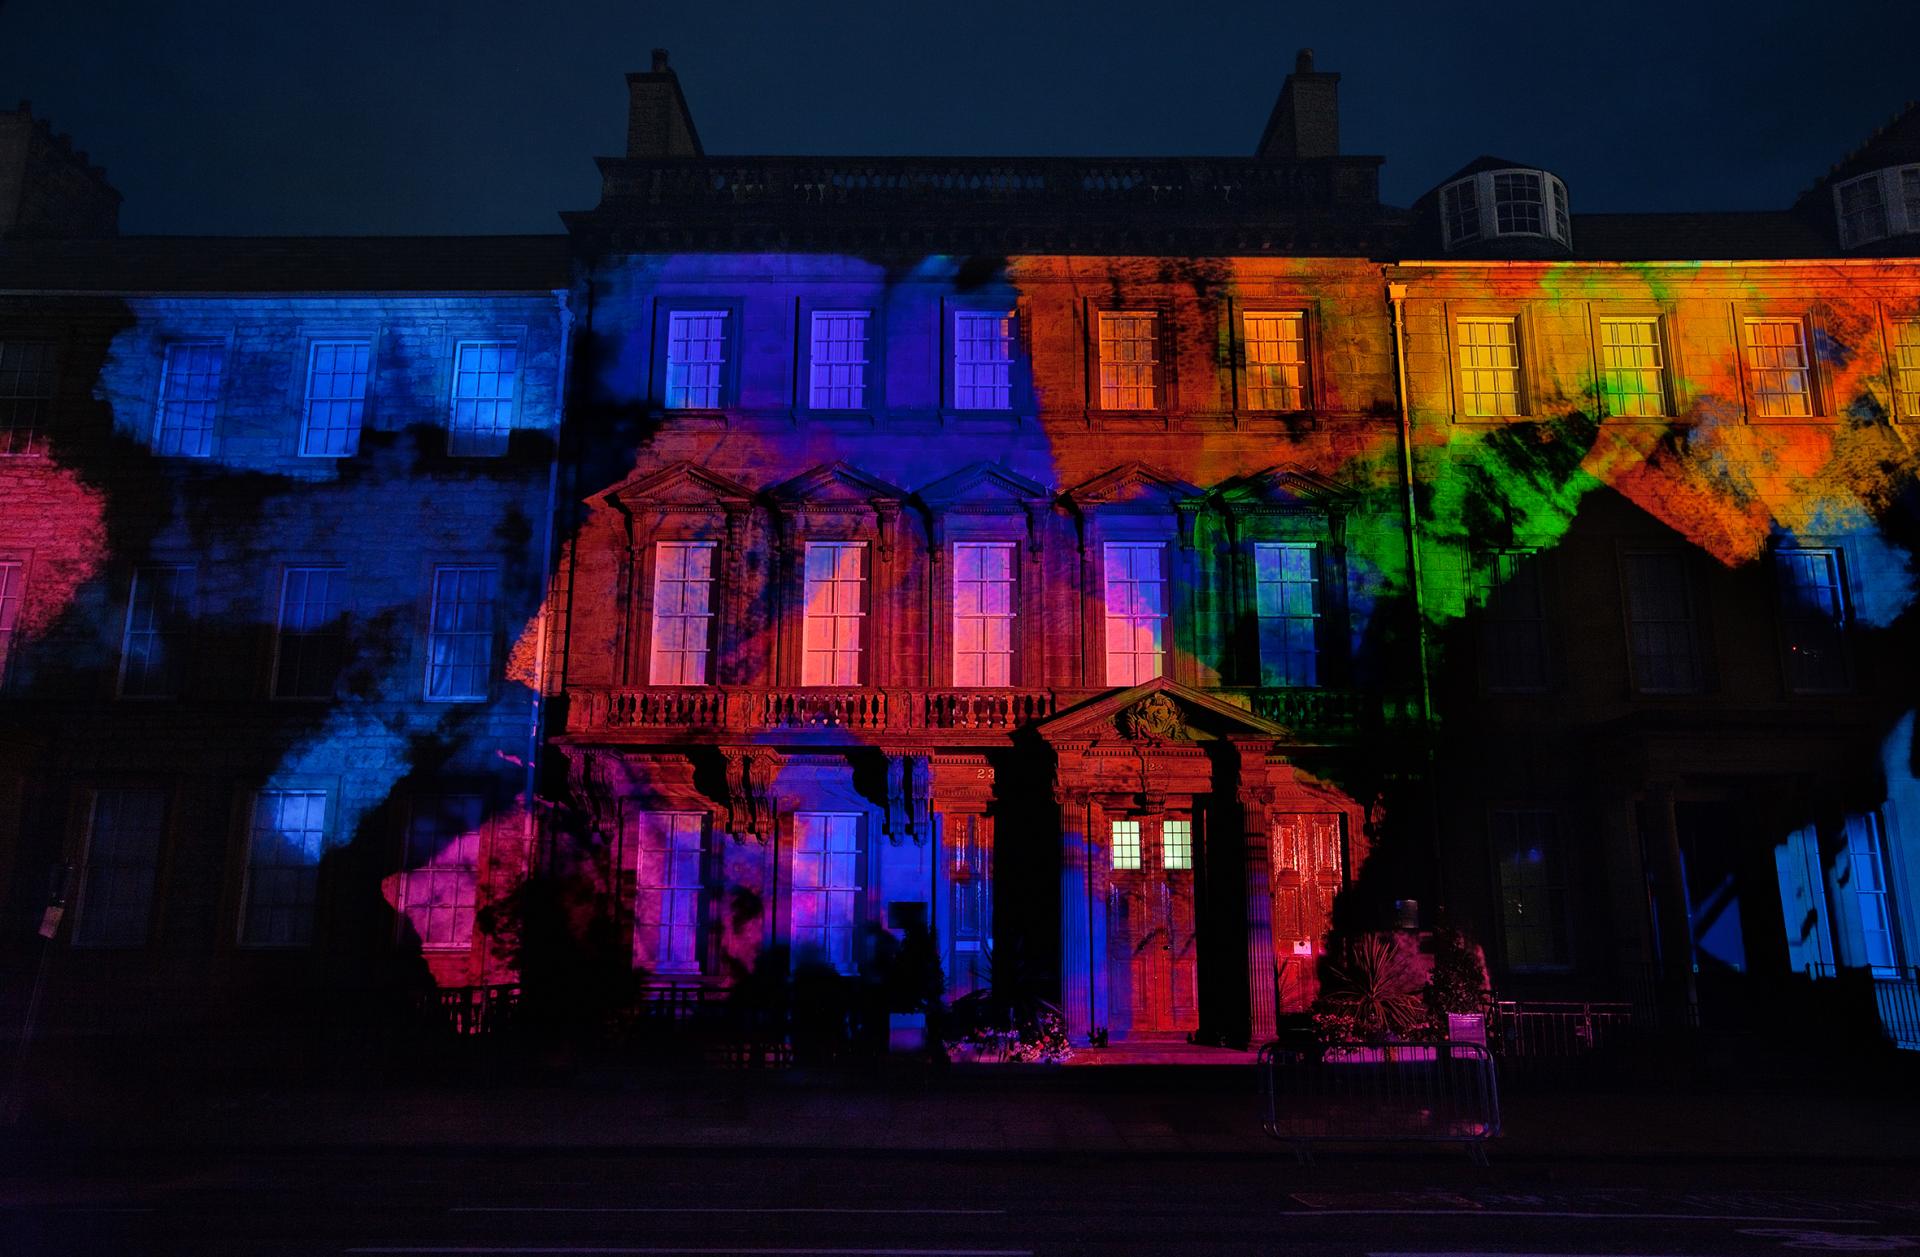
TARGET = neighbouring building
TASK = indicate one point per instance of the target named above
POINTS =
(1129, 570)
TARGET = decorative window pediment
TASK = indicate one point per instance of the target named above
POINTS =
(984, 487)
(681, 486)
(1284, 490)
(838, 486)
(1133, 487)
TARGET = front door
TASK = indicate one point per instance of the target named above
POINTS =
(1151, 961)
(969, 907)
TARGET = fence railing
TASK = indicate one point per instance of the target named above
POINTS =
(471, 1010)
(1896, 997)
(1387, 1092)
(1557, 1030)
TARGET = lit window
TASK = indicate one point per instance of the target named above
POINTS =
(285, 841)
(839, 362)
(159, 614)
(26, 393)
(1533, 888)
(826, 887)
(682, 612)
(1136, 612)
(1176, 844)
(1812, 619)
(983, 614)
(1778, 372)
(836, 589)
(460, 633)
(120, 865)
(1868, 878)
(1286, 594)
(1460, 212)
(1506, 586)
(13, 576)
(1126, 844)
(484, 373)
(1129, 360)
(1516, 202)
(1910, 195)
(1276, 361)
(1661, 631)
(310, 647)
(982, 360)
(667, 890)
(1633, 371)
(1863, 210)
(1906, 366)
(1562, 227)
(696, 358)
(336, 397)
(189, 398)
(1489, 368)
(440, 881)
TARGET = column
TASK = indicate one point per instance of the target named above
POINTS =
(1076, 993)
(1262, 978)
(1679, 998)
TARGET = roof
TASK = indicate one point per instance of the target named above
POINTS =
(1759, 234)
(287, 264)
(1896, 143)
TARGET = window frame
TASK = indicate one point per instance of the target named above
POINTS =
(279, 599)
(1165, 375)
(34, 444)
(1905, 402)
(86, 838)
(1496, 862)
(248, 872)
(858, 893)
(1320, 617)
(216, 404)
(702, 889)
(482, 833)
(1476, 580)
(1556, 208)
(1012, 617)
(650, 573)
(1019, 391)
(1896, 212)
(866, 549)
(315, 344)
(1309, 375)
(13, 593)
(1840, 569)
(729, 385)
(1818, 401)
(500, 339)
(184, 636)
(1672, 404)
(493, 635)
(1167, 550)
(872, 401)
(1696, 622)
(1525, 391)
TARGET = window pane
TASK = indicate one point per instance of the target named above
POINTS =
(12, 583)
(1135, 613)
(159, 616)
(285, 842)
(826, 888)
(1533, 888)
(189, 398)
(1506, 588)
(1276, 361)
(696, 358)
(460, 633)
(982, 360)
(124, 831)
(668, 884)
(1906, 364)
(839, 362)
(1176, 844)
(1489, 368)
(1459, 205)
(1126, 844)
(439, 883)
(484, 373)
(1778, 370)
(1287, 606)
(983, 613)
(1661, 630)
(835, 607)
(336, 397)
(1633, 374)
(1863, 210)
(311, 646)
(682, 612)
(26, 394)
(1812, 619)
(1517, 205)
(1129, 346)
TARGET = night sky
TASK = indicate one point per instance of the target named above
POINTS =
(394, 116)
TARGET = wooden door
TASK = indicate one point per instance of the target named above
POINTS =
(1153, 963)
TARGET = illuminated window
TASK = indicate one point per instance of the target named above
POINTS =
(13, 575)
(26, 393)
(982, 360)
(153, 650)
(1633, 372)
(1136, 612)
(1125, 837)
(667, 890)
(1662, 633)
(285, 841)
(440, 880)
(460, 633)
(1176, 844)
(826, 887)
(1906, 366)
(696, 359)
(1129, 360)
(119, 867)
(1779, 374)
(969, 840)
(983, 613)
(336, 397)
(836, 593)
(1276, 361)
(484, 373)
(1489, 367)
(1562, 227)
(1533, 888)
(1517, 205)
(1867, 876)
(1863, 210)
(1460, 212)
(1286, 595)
(311, 645)
(839, 362)
(1813, 618)
(1513, 637)
(189, 398)
(682, 612)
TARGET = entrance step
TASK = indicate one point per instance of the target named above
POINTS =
(1137, 1051)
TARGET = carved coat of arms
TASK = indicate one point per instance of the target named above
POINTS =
(1155, 718)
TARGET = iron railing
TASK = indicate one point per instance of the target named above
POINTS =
(1375, 1091)
(1896, 997)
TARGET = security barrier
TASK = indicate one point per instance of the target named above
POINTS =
(1388, 1092)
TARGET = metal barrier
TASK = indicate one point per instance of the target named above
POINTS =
(1388, 1092)
(1553, 1030)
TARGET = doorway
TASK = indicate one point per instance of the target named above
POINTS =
(1152, 960)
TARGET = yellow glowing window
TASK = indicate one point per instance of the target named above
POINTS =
(1276, 361)
(1489, 367)
(1906, 367)
(1126, 844)
(1129, 360)
(1633, 371)
(1779, 373)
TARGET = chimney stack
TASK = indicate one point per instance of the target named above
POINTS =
(1305, 122)
(658, 121)
(48, 188)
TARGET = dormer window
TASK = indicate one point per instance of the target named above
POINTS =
(1877, 205)
(1516, 202)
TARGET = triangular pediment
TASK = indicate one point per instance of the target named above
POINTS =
(983, 487)
(1283, 488)
(837, 485)
(1160, 711)
(683, 485)
(1137, 485)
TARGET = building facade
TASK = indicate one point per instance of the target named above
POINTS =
(1132, 571)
